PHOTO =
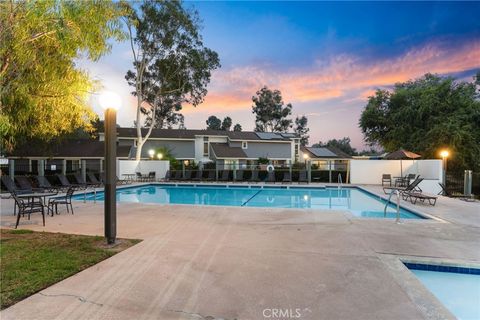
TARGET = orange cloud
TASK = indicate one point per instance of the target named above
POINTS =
(339, 77)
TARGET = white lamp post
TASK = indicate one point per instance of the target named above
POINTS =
(444, 154)
(110, 102)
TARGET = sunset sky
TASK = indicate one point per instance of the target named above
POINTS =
(326, 58)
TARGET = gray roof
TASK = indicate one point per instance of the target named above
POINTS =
(190, 134)
(223, 150)
(324, 152)
(70, 148)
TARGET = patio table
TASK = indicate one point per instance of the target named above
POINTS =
(39, 195)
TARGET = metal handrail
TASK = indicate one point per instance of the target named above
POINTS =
(397, 192)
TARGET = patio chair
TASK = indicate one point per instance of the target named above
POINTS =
(414, 196)
(66, 200)
(93, 179)
(225, 175)
(270, 177)
(27, 208)
(151, 176)
(66, 183)
(177, 176)
(187, 176)
(11, 186)
(43, 182)
(26, 184)
(211, 176)
(167, 176)
(80, 181)
(302, 176)
(287, 177)
(140, 177)
(411, 187)
(198, 175)
(447, 193)
(239, 175)
(387, 178)
(254, 176)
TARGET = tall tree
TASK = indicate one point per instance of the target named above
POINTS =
(237, 127)
(226, 123)
(426, 115)
(270, 112)
(171, 64)
(214, 123)
(343, 144)
(43, 92)
(301, 129)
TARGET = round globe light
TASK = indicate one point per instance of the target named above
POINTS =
(305, 156)
(109, 99)
(444, 153)
(159, 156)
(151, 152)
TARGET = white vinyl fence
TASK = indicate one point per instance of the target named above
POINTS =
(370, 171)
(160, 167)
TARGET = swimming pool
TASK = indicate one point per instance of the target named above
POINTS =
(458, 288)
(360, 203)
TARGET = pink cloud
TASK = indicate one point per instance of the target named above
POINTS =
(339, 77)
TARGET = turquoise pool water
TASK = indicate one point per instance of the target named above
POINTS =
(358, 202)
(459, 292)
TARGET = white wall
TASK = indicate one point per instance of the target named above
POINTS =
(143, 166)
(370, 171)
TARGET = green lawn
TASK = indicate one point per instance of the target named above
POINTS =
(31, 261)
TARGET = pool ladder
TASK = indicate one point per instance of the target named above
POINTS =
(398, 205)
(339, 181)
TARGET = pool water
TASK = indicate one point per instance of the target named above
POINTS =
(356, 201)
(459, 292)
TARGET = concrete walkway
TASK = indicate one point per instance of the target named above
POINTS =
(253, 263)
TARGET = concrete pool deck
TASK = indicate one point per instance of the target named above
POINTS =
(247, 263)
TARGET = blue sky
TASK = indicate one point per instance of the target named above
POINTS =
(325, 57)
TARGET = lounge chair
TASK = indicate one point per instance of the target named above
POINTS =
(410, 188)
(239, 176)
(27, 208)
(254, 177)
(26, 184)
(387, 178)
(151, 176)
(414, 196)
(93, 179)
(287, 177)
(11, 187)
(187, 176)
(225, 175)
(167, 176)
(47, 186)
(302, 176)
(177, 176)
(66, 183)
(80, 181)
(211, 175)
(270, 177)
(447, 193)
(198, 176)
(103, 179)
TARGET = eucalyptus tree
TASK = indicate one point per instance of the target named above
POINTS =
(43, 92)
(270, 112)
(301, 129)
(171, 66)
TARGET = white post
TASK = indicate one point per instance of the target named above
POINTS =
(11, 168)
(64, 166)
(84, 169)
(101, 165)
(41, 168)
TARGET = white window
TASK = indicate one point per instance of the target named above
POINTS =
(206, 147)
(244, 144)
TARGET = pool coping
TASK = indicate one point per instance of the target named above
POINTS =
(421, 296)
(424, 217)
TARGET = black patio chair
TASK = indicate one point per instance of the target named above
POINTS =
(12, 187)
(27, 208)
(43, 182)
(270, 177)
(211, 175)
(239, 176)
(177, 176)
(198, 175)
(26, 184)
(287, 177)
(187, 176)
(103, 179)
(80, 181)
(151, 176)
(254, 176)
(66, 200)
(414, 196)
(225, 175)
(302, 176)
(387, 178)
(66, 183)
(447, 193)
(93, 179)
(410, 188)
(167, 176)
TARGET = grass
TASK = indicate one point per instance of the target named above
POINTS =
(31, 261)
